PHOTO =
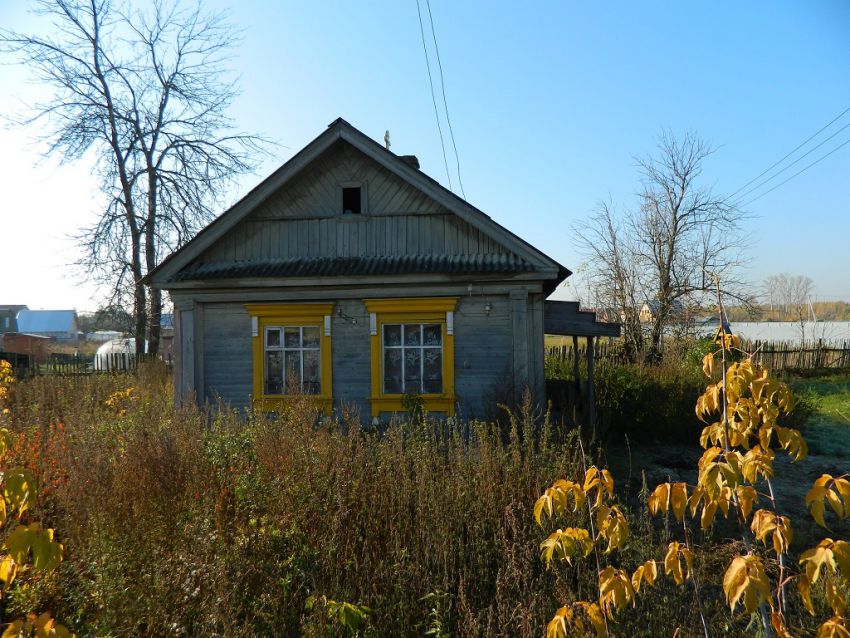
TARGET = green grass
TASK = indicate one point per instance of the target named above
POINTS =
(827, 429)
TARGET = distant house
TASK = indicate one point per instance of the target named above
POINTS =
(352, 275)
(59, 324)
(649, 311)
(8, 317)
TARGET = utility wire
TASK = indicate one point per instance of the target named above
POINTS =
(433, 96)
(802, 170)
(797, 148)
(445, 103)
(804, 155)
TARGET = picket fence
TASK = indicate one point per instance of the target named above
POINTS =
(776, 355)
(74, 364)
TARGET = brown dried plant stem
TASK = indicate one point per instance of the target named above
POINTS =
(593, 536)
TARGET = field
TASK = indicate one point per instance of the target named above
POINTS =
(188, 523)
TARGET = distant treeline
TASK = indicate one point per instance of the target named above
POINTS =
(823, 311)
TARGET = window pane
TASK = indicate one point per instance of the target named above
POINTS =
(274, 373)
(432, 383)
(311, 337)
(412, 336)
(293, 370)
(292, 337)
(392, 335)
(392, 371)
(311, 370)
(273, 337)
(432, 334)
(413, 370)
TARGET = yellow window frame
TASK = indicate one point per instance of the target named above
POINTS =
(290, 314)
(412, 310)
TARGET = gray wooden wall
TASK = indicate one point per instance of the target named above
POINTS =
(496, 351)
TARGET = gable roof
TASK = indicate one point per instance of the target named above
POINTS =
(170, 269)
(42, 321)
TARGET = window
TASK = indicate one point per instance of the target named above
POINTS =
(292, 352)
(292, 360)
(412, 352)
(413, 358)
(351, 200)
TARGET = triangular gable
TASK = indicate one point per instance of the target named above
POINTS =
(261, 200)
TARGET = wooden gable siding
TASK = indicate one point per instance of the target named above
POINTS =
(302, 219)
(315, 192)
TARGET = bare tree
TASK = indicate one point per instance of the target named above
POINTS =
(680, 235)
(146, 93)
(614, 278)
(792, 293)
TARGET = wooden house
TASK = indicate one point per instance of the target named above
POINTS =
(649, 311)
(351, 275)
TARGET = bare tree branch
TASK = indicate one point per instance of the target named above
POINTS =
(666, 250)
(147, 92)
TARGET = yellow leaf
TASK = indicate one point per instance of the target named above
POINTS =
(709, 509)
(613, 526)
(557, 627)
(834, 491)
(19, 490)
(804, 586)
(835, 627)
(747, 495)
(745, 581)
(777, 621)
(679, 500)
(594, 613)
(708, 365)
(14, 630)
(673, 562)
(835, 598)
(792, 442)
(818, 558)
(659, 500)
(568, 543)
(8, 571)
(615, 590)
(841, 554)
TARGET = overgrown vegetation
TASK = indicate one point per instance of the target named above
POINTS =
(180, 523)
(741, 409)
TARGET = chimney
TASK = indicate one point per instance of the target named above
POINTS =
(410, 159)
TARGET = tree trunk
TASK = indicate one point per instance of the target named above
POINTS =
(140, 312)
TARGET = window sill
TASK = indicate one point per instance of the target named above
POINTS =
(277, 403)
(433, 403)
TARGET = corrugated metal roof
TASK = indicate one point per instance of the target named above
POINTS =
(354, 266)
(41, 321)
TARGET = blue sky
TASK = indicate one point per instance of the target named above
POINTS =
(549, 106)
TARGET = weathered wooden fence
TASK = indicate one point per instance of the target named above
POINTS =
(812, 355)
(602, 351)
(70, 364)
(776, 355)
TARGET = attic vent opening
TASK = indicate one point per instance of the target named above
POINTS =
(351, 200)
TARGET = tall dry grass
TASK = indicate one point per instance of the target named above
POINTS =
(183, 522)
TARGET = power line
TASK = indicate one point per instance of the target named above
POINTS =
(445, 103)
(772, 166)
(804, 155)
(433, 96)
(802, 170)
